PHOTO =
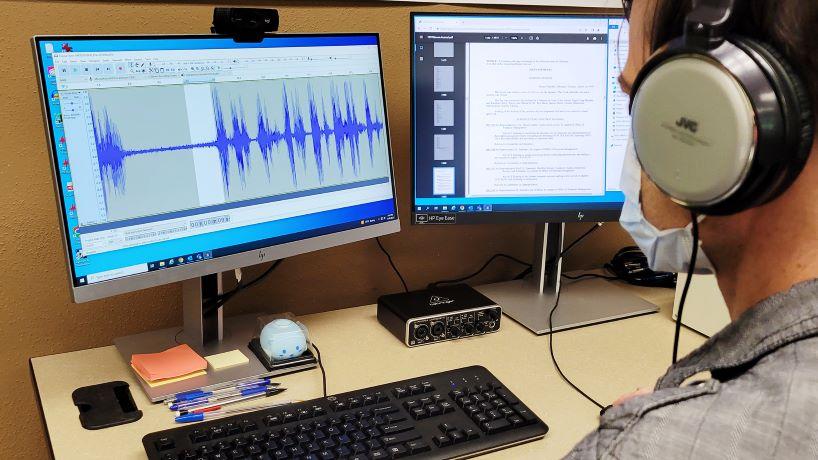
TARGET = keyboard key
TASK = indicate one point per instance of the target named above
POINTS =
(217, 432)
(377, 454)
(343, 439)
(354, 403)
(236, 454)
(416, 447)
(433, 410)
(446, 406)
(359, 456)
(427, 387)
(398, 451)
(383, 410)
(272, 420)
(506, 411)
(374, 444)
(391, 440)
(368, 399)
(279, 455)
(415, 389)
(507, 396)
(442, 441)
(455, 394)
(457, 436)
(400, 392)
(164, 444)
(232, 428)
(418, 413)
(496, 426)
(397, 427)
(343, 451)
(494, 415)
(326, 455)
(199, 436)
(304, 413)
(471, 433)
(380, 396)
(358, 448)
(515, 420)
(524, 413)
(479, 419)
(446, 427)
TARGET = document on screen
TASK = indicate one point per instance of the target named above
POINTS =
(536, 118)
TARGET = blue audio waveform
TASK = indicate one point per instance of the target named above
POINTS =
(343, 125)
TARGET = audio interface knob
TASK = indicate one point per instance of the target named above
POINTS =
(494, 315)
(480, 327)
(468, 329)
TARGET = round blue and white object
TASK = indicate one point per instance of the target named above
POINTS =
(283, 339)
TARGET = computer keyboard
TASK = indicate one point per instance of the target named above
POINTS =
(458, 413)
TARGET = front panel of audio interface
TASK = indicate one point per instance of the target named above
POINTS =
(451, 326)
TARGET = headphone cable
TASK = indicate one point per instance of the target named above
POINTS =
(695, 252)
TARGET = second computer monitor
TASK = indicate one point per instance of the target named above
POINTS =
(518, 117)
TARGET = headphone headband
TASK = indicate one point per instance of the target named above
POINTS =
(709, 23)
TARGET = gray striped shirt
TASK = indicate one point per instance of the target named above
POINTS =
(760, 402)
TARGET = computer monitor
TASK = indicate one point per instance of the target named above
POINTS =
(519, 118)
(178, 157)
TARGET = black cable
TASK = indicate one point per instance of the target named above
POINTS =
(223, 298)
(321, 366)
(554, 359)
(693, 256)
(480, 270)
(590, 275)
(551, 321)
(392, 263)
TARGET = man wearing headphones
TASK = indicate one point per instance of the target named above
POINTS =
(722, 175)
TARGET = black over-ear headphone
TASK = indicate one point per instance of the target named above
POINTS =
(721, 123)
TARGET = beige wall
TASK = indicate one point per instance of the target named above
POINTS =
(38, 317)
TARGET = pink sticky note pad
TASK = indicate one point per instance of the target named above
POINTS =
(173, 362)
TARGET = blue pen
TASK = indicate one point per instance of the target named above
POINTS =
(220, 404)
(187, 418)
(204, 396)
(216, 398)
(195, 394)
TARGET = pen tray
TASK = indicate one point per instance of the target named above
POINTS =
(105, 405)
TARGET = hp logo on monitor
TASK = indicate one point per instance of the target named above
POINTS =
(261, 255)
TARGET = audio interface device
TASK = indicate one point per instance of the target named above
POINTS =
(434, 315)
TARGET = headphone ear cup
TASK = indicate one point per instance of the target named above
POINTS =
(797, 111)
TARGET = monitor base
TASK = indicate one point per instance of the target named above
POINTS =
(582, 303)
(236, 336)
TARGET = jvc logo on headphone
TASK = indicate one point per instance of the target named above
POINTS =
(688, 124)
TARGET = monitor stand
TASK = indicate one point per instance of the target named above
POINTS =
(207, 332)
(582, 303)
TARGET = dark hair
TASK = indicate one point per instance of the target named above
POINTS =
(788, 25)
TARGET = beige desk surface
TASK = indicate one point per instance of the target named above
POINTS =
(605, 360)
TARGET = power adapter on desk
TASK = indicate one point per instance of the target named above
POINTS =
(438, 314)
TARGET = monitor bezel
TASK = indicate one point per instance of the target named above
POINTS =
(569, 214)
(130, 283)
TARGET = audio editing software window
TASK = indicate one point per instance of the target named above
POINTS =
(516, 112)
(179, 150)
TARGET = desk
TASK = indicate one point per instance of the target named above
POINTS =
(605, 360)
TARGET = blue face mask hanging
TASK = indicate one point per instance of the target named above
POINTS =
(667, 250)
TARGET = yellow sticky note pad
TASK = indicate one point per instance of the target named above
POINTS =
(227, 359)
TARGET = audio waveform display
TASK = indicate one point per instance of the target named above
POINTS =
(304, 138)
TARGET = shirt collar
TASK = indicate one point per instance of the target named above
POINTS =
(777, 321)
